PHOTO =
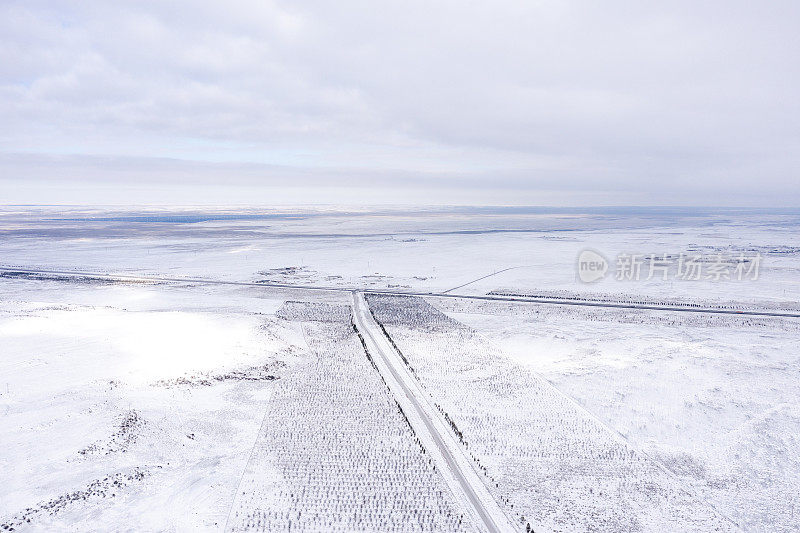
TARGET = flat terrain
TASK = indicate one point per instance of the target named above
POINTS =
(713, 398)
(256, 406)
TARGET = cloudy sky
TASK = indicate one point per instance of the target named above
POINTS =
(528, 102)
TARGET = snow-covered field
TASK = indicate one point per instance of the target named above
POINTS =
(129, 405)
(714, 399)
(184, 406)
(335, 452)
(424, 249)
(550, 461)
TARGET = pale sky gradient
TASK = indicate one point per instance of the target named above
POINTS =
(529, 102)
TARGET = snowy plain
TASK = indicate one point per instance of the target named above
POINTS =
(143, 403)
(713, 398)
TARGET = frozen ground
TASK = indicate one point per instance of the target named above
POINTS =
(550, 461)
(191, 408)
(149, 404)
(383, 248)
(715, 399)
(335, 452)
(128, 405)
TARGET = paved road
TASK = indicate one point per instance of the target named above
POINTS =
(537, 300)
(428, 423)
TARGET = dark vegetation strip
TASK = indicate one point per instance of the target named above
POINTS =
(523, 299)
(107, 487)
(391, 340)
(389, 392)
(458, 433)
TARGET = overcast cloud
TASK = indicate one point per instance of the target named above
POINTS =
(558, 102)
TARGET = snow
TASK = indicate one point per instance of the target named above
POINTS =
(712, 398)
(335, 452)
(379, 249)
(140, 403)
(83, 399)
(550, 461)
